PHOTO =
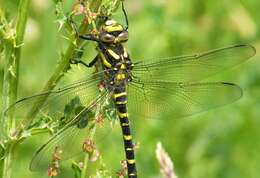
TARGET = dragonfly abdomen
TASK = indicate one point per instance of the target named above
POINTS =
(120, 102)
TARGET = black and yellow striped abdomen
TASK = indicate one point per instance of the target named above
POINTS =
(118, 66)
(120, 98)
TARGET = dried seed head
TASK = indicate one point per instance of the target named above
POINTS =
(89, 17)
(100, 120)
(94, 157)
(78, 9)
(57, 154)
(136, 146)
(52, 172)
(53, 169)
(166, 164)
(123, 171)
(88, 146)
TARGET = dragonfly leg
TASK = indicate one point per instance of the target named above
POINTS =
(73, 24)
(75, 28)
(125, 14)
(89, 37)
(78, 61)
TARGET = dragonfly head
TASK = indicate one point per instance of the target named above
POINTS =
(113, 32)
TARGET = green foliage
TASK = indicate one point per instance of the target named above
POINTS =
(76, 170)
(220, 144)
(72, 109)
(109, 111)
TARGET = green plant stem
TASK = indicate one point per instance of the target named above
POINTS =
(62, 68)
(11, 76)
(88, 155)
(84, 169)
(2, 22)
(7, 163)
(7, 121)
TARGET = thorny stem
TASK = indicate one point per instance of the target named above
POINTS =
(11, 75)
(60, 70)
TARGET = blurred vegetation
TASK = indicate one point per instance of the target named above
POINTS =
(222, 143)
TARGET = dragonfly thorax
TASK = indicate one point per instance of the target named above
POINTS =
(119, 75)
(113, 54)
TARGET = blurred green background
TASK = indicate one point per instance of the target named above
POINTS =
(222, 143)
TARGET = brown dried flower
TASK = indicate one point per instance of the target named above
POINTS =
(53, 169)
(123, 171)
(88, 146)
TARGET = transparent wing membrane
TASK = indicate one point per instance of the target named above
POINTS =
(74, 105)
(52, 103)
(193, 67)
(148, 99)
(70, 139)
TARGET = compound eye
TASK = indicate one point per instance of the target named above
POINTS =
(123, 36)
(107, 38)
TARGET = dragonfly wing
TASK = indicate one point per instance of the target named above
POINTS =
(148, 99)
(68, 141)
(193, 67)
(51, 104)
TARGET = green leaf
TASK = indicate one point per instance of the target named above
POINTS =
(72, 109)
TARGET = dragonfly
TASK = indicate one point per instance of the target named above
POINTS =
(125, 88)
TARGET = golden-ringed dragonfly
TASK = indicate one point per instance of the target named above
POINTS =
(136, 89)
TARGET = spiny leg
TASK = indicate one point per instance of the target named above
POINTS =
(125, 14)
(76, 61)
(89, 37)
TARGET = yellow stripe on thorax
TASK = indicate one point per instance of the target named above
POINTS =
(125, 53)
(104, 60)
(122, 66)
(120, 76)
(113, 54)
